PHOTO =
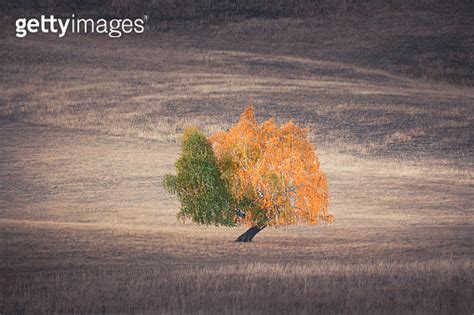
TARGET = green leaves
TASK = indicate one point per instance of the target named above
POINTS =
(204, 195)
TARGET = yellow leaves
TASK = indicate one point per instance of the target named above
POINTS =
(277, 165)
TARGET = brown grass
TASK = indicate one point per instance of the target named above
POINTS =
(357, 89)
(88, 128)
(87, 228)
(440, 286)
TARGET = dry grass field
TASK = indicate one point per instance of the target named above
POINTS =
(89, 126)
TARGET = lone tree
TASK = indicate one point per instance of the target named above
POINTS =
(253, 174)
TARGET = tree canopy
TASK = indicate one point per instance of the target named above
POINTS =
(253, 174)
(198, 183)
(276, 168)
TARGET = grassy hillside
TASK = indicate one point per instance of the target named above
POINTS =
(89, 126)
(429, 39)
(87, 228)
(324, 75)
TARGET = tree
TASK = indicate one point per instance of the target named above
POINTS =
(266, 175)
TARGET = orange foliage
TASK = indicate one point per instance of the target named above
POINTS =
(276, 166)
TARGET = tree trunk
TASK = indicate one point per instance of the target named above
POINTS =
(249, 234)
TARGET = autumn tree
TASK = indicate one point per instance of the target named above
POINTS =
(267, 175)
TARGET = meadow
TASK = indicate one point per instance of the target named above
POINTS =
(89, 126)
